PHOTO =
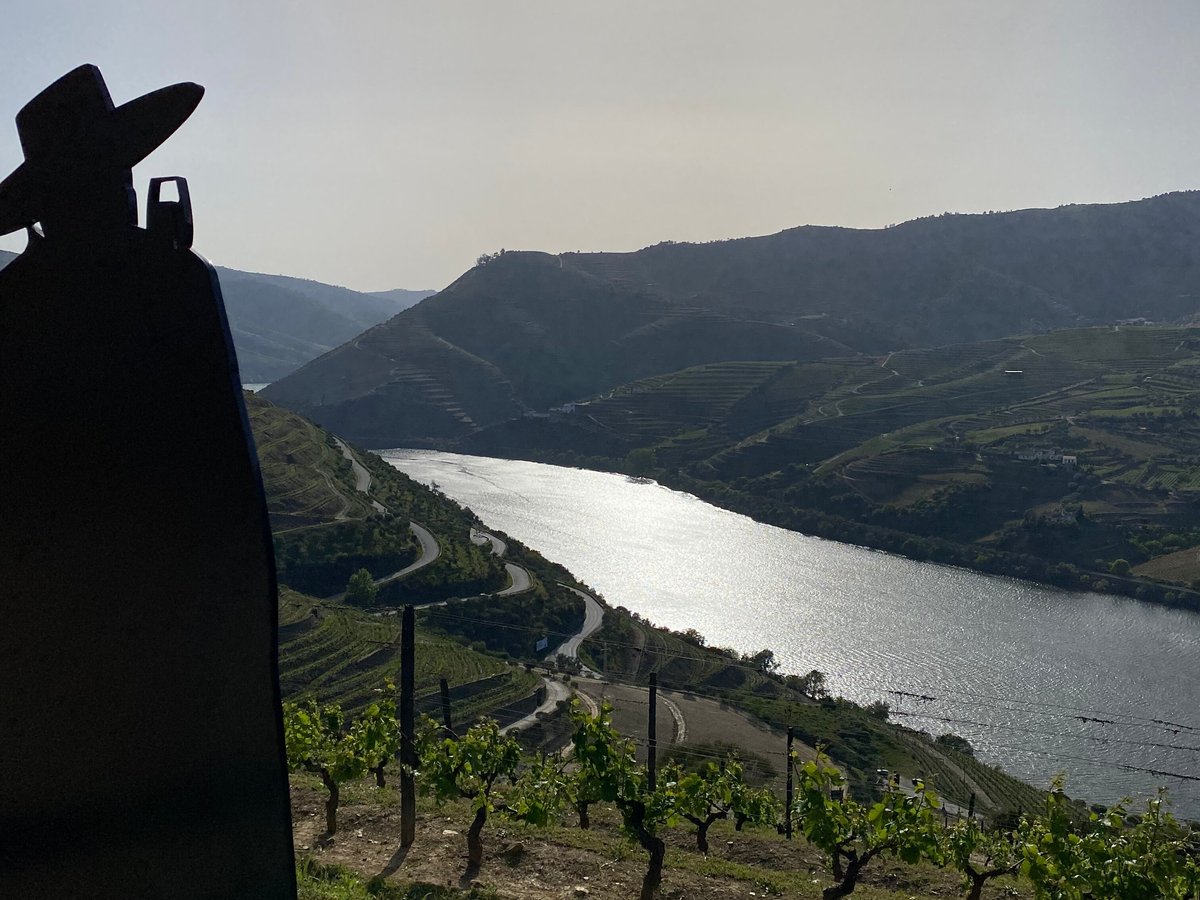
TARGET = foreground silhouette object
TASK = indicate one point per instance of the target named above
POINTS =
(140, 732)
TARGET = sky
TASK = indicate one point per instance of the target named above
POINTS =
(388, 144)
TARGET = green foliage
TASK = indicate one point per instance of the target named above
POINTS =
(513, 626)
(718, 791)
(640, 461)
(880, 709)
(319, 560)
(1109, 857)
(469, 767)
(377, 734)
(813, 685)
(316, 742)
(958, 743)
(851, 834)
(610, 770)
(980, 855)
(542, 790)
(361, 589)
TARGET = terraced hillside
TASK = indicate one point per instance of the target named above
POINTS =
(326, 527)
(1052, 456)
(344, 655)
(525, 331)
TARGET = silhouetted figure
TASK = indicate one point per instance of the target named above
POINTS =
(140, 735)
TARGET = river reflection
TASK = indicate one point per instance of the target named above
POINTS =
(1017, 667)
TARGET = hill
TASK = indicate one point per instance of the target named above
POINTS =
(524, 331)
(1053, 457)
(280, 323)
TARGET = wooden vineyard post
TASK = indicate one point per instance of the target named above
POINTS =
(652, 734)
(789, 795)
(444, 687)
(408, 756)
(971, 807)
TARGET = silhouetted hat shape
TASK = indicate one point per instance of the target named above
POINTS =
(72, 130)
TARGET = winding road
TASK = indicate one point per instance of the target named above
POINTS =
(430, 550)
(555, 691)
(593, 618)
(518, 578)
(362, 478)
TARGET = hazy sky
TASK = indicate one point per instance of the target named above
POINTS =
(388, 144)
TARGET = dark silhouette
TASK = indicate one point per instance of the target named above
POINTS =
(140, 733)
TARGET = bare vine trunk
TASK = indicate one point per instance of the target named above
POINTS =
(702, 826)
(849, 879)
(331, 802)
(474, 841)
(653, 845)
(978, 879)
(582, 808)
(653, 877)
(377, 771)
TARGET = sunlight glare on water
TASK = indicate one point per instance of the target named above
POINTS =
(1011, 657)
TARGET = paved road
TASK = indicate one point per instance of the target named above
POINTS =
(499, 548)
(555, 691)
(362, 478)
(593, 617)
(519, 581)
(429, 552)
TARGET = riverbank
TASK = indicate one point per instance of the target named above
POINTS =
(772, 510)
(1024, 673)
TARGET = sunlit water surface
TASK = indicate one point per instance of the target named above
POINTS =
(1013, 663)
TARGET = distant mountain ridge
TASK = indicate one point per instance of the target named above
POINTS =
(279, 323)
(526, 330)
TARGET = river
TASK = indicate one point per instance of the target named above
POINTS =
(1018, 667)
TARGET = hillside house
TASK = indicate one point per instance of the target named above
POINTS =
(1039, 454)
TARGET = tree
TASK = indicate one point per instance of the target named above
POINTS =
(813, 685)
(361, 590)
(377, 732)
(610, 766)
(316, 743)
(1119, 567)
(640, 460)
(469, 767)
(880, 709)
(715, 792)
(851, 835)
(764, 661)
(958, 743)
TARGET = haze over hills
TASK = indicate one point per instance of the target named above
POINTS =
(280, 323)
(525, 330)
